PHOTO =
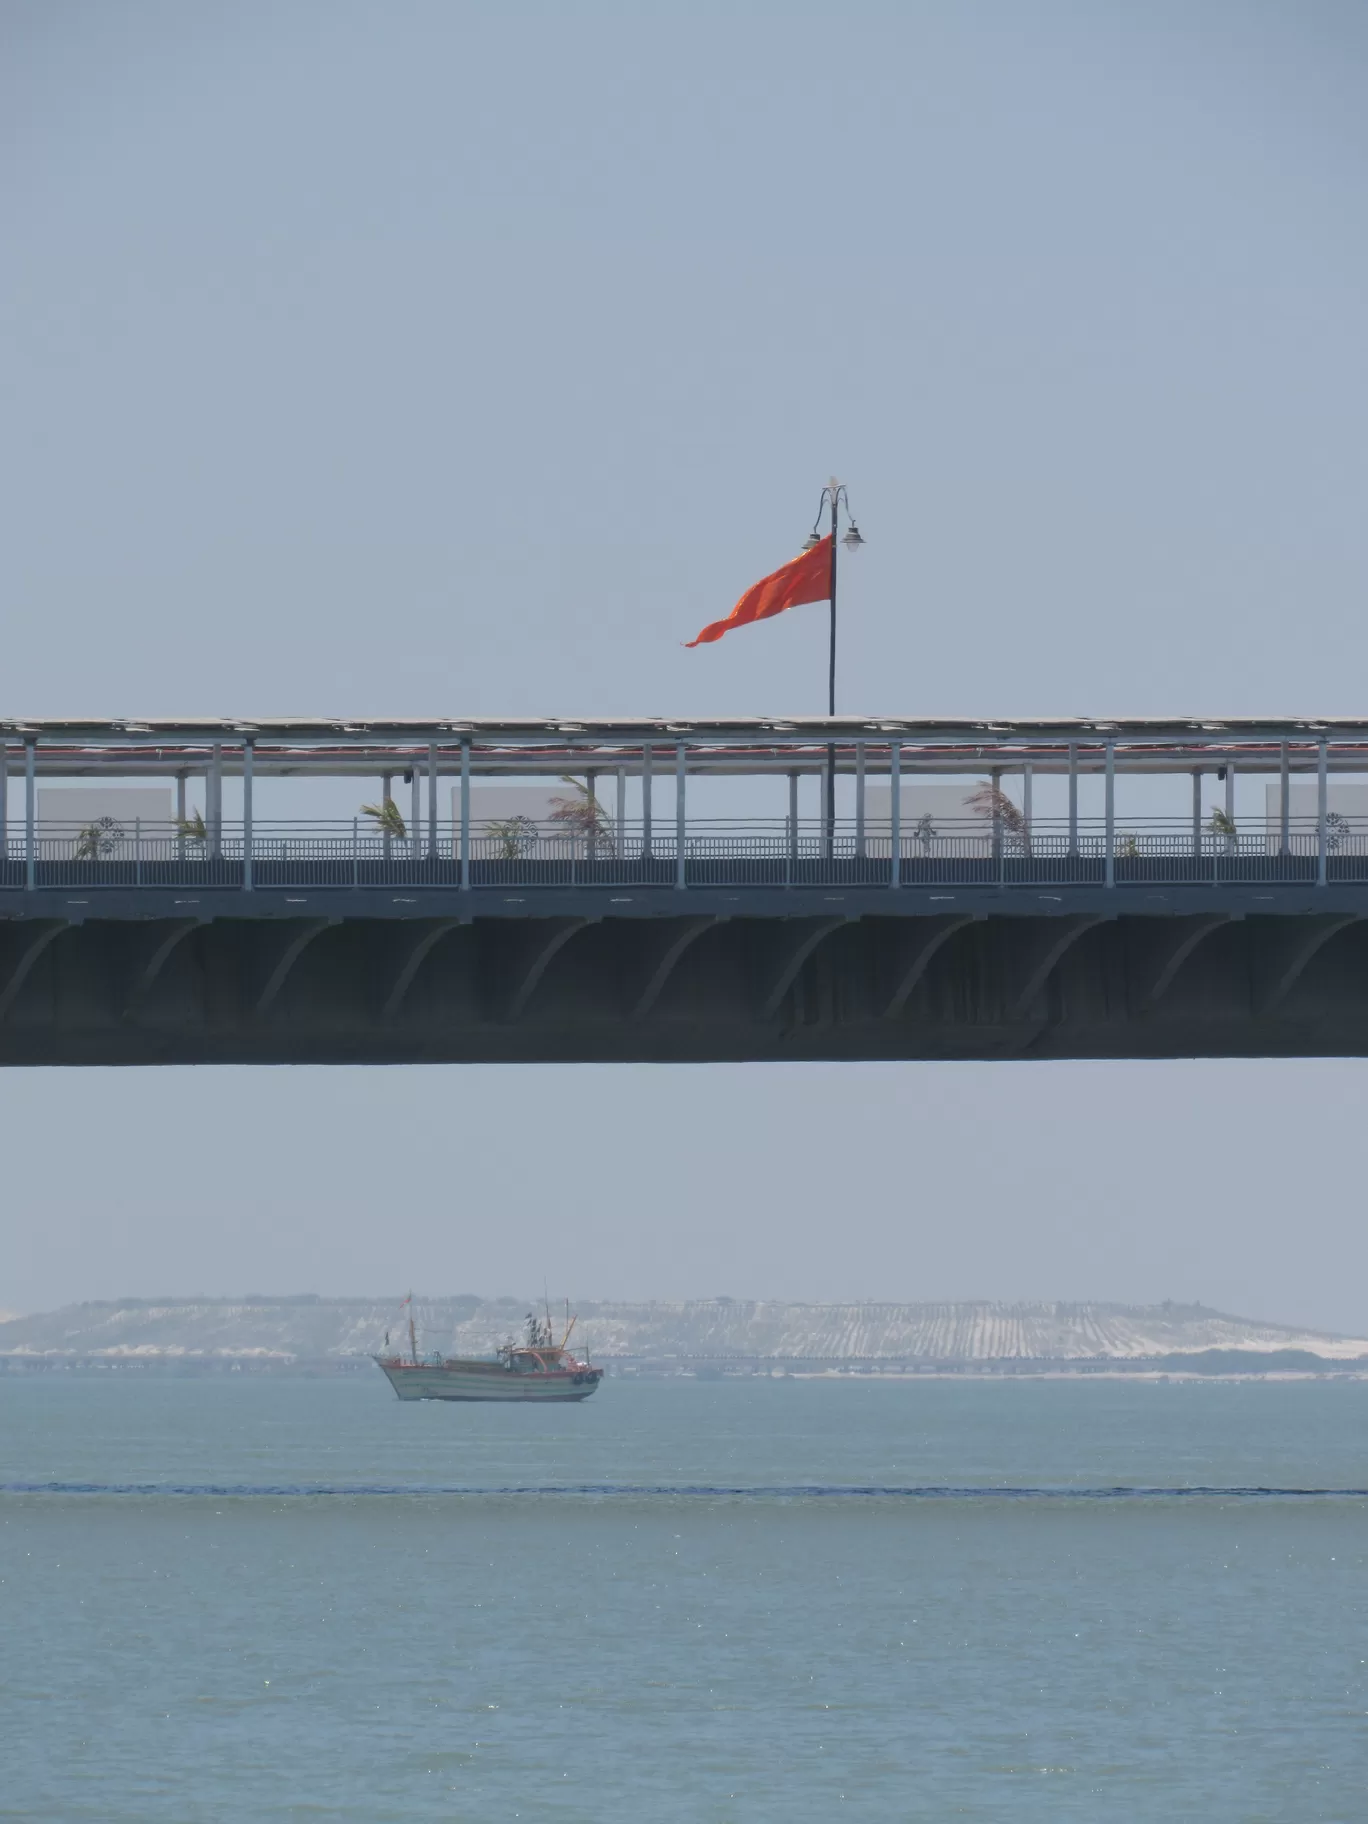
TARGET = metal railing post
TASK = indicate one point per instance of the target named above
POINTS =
(214, 795)
(1110, 868)
(1027, 779)
(621, 809)
(895, 813)
(30, 807)
(646, 803)
(432, 800)
(1073, 798)
(1284, 832)
(1197, 813)
(4, 806)
(180, 816)
(860, 800)
(999, 846)
(465, 816)
(386, 800)
(1232, 841)
(356, 851)
(791, 853)
(680, 775)
(247, 754)
(415, 812)
(137, 851)
(1322, 798)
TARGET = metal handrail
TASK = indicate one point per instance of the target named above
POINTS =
(717, 851)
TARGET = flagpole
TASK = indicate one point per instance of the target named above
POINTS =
(794, 583)
(835, 492)
(831, 669)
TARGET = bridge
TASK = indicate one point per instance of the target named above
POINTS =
(835, 888)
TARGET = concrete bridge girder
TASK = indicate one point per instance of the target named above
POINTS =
(1170, 945)
(1045, 949)
(913, 953)
(685, 984)
(665, 955)
(164, 939)
(32, 942)
(798, 945)
(419, 950)
(287, 953)
(539, 946)
(1288, 954)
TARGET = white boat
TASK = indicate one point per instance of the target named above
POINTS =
(538, 1368)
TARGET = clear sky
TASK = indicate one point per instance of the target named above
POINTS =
(408, 357)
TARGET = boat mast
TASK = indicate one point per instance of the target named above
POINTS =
(413, 1334)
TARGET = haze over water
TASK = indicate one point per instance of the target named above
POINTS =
(720, 1622)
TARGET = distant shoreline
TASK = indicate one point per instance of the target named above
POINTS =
(712, 1338)
(1160, 1369)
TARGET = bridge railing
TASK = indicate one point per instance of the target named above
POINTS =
(745, 852)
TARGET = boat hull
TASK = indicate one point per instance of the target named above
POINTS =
(486, 1381)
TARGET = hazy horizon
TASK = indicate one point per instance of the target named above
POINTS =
(934, 1182)
(533, 1302)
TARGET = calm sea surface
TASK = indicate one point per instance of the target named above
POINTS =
(279, 1599)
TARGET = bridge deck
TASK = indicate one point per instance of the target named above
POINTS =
(1153, 929)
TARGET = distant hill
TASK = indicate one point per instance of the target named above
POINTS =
(304, 1330)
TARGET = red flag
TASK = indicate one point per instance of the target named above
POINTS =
(806, 578)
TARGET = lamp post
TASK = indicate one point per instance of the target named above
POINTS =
(833, 497)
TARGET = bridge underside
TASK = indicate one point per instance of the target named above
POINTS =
(596, 978)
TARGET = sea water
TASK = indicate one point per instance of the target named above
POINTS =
(275, 1598)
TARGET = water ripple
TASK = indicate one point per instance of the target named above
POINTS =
(788, 1491)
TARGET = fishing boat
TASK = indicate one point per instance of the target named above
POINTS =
(538, 1368)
